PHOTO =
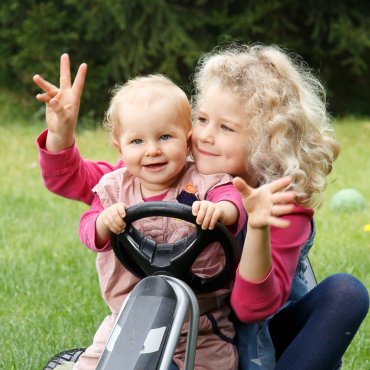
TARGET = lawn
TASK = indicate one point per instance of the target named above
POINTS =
(50, 298)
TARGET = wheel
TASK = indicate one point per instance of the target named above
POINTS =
(71, 355)
(143, 257)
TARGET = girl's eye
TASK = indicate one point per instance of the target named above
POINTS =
(226, 128)
(164, 137)
(137, 141)
(201, 120)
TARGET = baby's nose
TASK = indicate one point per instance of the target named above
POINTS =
(153, 150)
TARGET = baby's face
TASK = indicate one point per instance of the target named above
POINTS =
(219, 141)
(154, 144)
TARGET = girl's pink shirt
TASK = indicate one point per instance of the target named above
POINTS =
(68, 175)
(254, 301)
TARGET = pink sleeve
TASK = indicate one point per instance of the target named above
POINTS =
(229, 193)
(254, 301)
(86, 228)
(69, 175)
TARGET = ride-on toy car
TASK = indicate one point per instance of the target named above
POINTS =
(148, 326)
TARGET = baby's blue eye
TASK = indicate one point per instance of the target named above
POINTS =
(164, 137)
(137, 141)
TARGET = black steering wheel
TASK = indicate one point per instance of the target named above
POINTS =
(143, 257)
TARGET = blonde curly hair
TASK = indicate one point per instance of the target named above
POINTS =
(285, 106)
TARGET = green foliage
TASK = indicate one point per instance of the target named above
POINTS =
(15, 107)
(121, 39)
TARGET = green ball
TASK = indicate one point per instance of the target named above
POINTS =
(348, 200)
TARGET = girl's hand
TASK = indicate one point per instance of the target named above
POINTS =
(265, 205)
(62, 105)
(111, 219)
(207, 213)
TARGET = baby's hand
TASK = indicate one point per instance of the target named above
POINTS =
(207, 213)
(112, 218)
(267, 203)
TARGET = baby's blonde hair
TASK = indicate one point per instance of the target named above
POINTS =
(285, 106)
(144, 90)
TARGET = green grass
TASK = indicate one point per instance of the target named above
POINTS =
(50, 298)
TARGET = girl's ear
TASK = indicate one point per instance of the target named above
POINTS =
(188, 140)
(116, 145)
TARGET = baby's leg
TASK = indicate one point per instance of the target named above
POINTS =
(89, 359)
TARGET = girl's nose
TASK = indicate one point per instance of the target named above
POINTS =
(152, 150)
(206, 134)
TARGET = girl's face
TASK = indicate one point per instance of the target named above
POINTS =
(154, 144)
(219, 141)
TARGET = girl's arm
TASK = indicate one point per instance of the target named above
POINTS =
(256, 300)
(62, 105)
(67, 174)
(63, 170)
(268, 263)
(264, 207)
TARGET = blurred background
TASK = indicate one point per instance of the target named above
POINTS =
(50, 299)
(121, 39)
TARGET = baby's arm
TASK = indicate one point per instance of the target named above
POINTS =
(208, 213)
(110, 220)
(95, 228)
(62, 105)
(264, 207)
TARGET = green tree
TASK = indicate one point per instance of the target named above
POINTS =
(121, 39)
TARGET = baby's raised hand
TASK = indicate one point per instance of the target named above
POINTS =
(112, 218)
(62, 104)
(265, 205)
(207, 213)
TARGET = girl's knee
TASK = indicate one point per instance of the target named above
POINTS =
(346, 289)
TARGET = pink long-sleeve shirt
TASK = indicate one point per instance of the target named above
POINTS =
(68, 175)
(254, 301)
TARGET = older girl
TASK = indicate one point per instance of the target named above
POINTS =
(264, 113)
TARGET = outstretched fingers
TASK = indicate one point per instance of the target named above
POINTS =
(282, 209)
(283, 197)
(79, 82)
(50, 90)
(283, 202)
(266, 204)
(43, 98)
(45, 86)
(65, 76)
(279, 184)
(65, 72)
(278, 222)
(244, 189)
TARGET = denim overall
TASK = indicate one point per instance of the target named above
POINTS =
(255, 348)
